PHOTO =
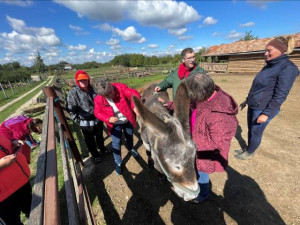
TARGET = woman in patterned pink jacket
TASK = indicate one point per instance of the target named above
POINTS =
(213, 125)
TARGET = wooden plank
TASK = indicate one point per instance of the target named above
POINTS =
(73, 213)
(51, 203)
(37, 204)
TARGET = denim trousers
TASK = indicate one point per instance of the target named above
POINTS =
(116, 136)
(203, 181)
(255, 130)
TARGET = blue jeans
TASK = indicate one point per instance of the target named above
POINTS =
(255, 130)
(116, 136)
(203, 181)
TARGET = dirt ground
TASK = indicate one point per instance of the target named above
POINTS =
(261, 190)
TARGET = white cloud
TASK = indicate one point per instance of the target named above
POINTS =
(183, 38)
(215, 34)
(177, 32)
(249, 24)
(20, 3)
(78, 30)
(77, 48)
(210, 21)
(75, 28)
(23, 39)
(170, 47)
(162, 14)
(259, 4)
(51, 54)
(113, 41)
(153, 46)
(233, 35)
(129, 34)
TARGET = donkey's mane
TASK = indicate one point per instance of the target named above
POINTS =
(150, 98)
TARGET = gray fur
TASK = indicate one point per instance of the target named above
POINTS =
(168, 139)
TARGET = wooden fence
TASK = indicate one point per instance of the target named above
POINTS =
(45, 201)
(215, 67)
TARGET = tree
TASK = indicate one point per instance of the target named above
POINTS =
(38, 64)
(248, 36)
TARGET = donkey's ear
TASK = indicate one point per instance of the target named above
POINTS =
(182, 107)
(150, 118)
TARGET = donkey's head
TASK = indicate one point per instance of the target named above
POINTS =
(168, 138)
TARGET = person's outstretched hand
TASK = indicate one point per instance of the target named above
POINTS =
(7, 160)
(157, 89)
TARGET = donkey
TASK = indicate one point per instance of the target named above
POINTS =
(167, 139)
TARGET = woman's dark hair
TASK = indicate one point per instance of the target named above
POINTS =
(200, 87)
(102, 87)
(36, 125)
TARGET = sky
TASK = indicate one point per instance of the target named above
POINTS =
(96, 30)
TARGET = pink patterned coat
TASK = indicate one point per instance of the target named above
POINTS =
(214, 126)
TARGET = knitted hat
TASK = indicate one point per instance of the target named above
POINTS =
(278, 45)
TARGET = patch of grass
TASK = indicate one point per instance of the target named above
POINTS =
(18, 92)
(223, 80)
(11, 109)
(141, 81)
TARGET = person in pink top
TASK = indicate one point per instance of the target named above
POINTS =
(114, 106)
(213, 125)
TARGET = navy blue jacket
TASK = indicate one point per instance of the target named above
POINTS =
(272, 84)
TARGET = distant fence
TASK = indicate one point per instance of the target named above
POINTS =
(8, 90)
(124, 73)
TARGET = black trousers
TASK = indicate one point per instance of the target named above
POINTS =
(93, 137)
(18, 202)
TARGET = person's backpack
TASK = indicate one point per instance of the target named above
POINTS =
(14, 120)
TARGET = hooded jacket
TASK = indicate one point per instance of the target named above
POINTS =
(214, 127)
(272, 84)
(80, 103)
(123, 101)
(17, 131)
(15, 175)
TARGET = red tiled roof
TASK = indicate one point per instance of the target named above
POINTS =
(244, 46)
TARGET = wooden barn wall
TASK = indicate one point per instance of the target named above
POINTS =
(253, 63)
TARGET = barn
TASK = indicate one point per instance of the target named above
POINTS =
(244, 56)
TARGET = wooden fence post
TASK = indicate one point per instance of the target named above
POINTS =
(49, 92)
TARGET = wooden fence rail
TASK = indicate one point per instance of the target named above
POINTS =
(45, 201)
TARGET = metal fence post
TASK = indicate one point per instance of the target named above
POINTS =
(11, 88)
(3, 91)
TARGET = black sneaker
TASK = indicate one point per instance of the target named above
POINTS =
(118, 169)
(105, 151)
(97, 160)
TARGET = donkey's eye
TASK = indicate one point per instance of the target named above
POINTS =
(178, 167)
